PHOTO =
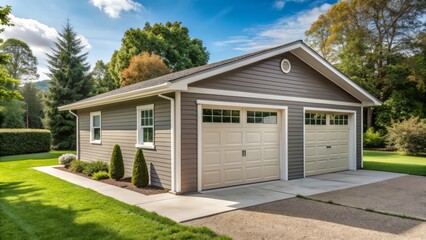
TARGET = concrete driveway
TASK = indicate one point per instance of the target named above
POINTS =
(298, 218)
(191, 206)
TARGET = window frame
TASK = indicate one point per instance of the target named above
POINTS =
(262, 117)
(213, 116)
(315, 117)
(92, 128)
(140, 129)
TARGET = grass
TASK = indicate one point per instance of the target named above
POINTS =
(34, 205)
(394, 162)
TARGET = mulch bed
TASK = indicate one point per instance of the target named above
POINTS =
(123, 183)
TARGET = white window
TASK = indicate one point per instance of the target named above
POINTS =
(221, 116)
(145, 128)
(315, 119)
(95, 127)
(262, 117)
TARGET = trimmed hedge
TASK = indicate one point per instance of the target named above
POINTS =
(116, 165)
(140, 177)
(22, 141)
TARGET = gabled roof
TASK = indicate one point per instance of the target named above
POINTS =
(180, 80)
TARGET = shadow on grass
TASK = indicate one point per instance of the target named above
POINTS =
(412, 169)
(23, 218)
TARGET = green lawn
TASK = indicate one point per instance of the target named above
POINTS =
(394, 162)
(34, 205)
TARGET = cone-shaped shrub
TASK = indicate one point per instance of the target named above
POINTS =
(140, 177)
(116, 165)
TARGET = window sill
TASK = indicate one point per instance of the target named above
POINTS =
(145, 146)
(96, 142)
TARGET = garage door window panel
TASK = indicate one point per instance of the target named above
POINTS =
(221, 116)
(338, 119)
(262, 117)
(315, 119)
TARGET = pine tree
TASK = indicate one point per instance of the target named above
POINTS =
(69, 82)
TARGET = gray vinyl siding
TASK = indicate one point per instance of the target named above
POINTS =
(266, 77)
(295, 133)
(118, 123)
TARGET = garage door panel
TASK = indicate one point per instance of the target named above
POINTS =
(211, 178)
(261, 161)
(211, 139)
(232, 157)
(253, 173)
(253, 155)
(321, 159)
(232, 139)
(211, 158)
(253, 137)
(271, 137)
(271, 154)
(233, 175)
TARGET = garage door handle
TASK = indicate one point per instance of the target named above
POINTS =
(243, 153)
(328, 146)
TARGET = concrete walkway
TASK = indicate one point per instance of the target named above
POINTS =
(187, 207)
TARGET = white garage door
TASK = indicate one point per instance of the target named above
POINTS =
(326, 143)
(239, 146)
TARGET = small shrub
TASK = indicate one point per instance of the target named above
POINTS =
(77, 166)
(373, 139)
(116, 165)
(21, 141)
(66, 159)
(408, 136)
(94, 167)
(100, 175)
(140, 177)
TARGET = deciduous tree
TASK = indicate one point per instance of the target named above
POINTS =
(365, 40)
(8, 84)
(102, 81)
(143, 67)
(22, 63)
(171, 41)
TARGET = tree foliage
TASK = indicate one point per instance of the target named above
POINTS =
(11, 114)
(372, 42)
(33, 106)
(8, 84)
(22, 63)
(143, 67)
(171, 41)
(69, 82)
(408, 136)
(102, 81)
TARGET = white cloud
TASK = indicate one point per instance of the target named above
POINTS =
(38, 36)
(284, 30)
(279, 4)
(113, 8)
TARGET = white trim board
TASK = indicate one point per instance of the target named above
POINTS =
(267, 96)
(352, 134)
(283, 136)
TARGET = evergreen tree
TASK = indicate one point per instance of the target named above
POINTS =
(140, 177)
(33, 107)
(69, 82)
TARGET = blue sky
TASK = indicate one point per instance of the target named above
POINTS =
(227, 28)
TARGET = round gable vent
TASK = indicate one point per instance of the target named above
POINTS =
(285, 66)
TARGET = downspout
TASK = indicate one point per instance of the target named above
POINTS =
(172, 145)
(77, 145)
